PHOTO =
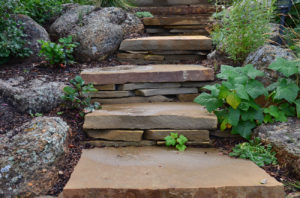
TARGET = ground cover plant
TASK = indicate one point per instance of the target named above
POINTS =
(234, 101)
(254, 150)
(177, 141)
(244, 28)
(77, 96)
(143, 14)
(58, 53)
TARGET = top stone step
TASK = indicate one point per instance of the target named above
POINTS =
(167, 43)
(142, 3)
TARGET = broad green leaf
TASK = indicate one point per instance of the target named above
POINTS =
(276, 113)
(241, 92)
(268, 118)
(297, 102)
(272, 86)
(213, 88)
(210, 102)
(255, 88)
(244, 106)
(287, 109)
(233, 100)
(170, 141)
(244, 128)
(224, 92)
(234, 116)
(69, 90)
(253, 115)
(223, 125)
(250, 71)
(174, 135)
(181, 147)
(182, 140)
(286, 67)
(229, 71)
(287, 90)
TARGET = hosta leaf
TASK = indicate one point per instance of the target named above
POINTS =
(287, 90)
(297, 102)
(255, 88)
(244, 128)
(233, 100)
(234, 116)
(210, 102)
(286, 67)
(250, 71)
(276, 113)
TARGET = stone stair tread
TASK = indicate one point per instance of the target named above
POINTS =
(161, 172)
(147, 73)
(140, 3)
(166, 115)
(159, 43)
(176, 20)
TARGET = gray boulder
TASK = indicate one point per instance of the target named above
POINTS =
(36, 96)
(264, 56)
(98, 30)
(31, 156)
(34, 32)
(285, 137)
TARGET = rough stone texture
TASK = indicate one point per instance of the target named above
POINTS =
(170, 2)
(187, 97)
(264, 56)
(111, 94)
(179, 10)
(169, 91)
(30, 157)
(167, 43)
(196, 84)
(104, 143)
(105, 87)
(293, 195)
(38, 95)
(99, 31)
(134, 86)
(159, 172)
(147, 73)
(176, 20)
(34, 32)
(122, 135)
(274, 34)
(151, 116)
(130, 100)
(192, 135)
(285, 137)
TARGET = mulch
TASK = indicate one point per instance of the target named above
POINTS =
(10, 118)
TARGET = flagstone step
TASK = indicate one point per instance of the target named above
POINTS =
(167, 43)
(141, 3)
(176, 20)
(167, 115)
(147, 73)
(159, 172)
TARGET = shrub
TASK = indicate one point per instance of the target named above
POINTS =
(11, 35)
(77, 96)
(256, 152)
(177, 141)
(234, 100)
(244, 29)
(58, 54)
(143, 14)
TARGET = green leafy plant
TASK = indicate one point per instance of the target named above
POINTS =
(178, 141)
(234, 100)
(143, 14)
(244, 28)
(114, 3)
(36, 114)
(12, 43)
(254, 150)
(292, 39)
(58, 54)
(78, 95)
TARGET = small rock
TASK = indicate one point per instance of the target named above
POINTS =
(60, 172)
(264, 181)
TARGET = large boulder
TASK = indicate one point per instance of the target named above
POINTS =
(34, 32)
(285, 138)
(264, 56)
(98, 30)
(35, 96)
(31, 156)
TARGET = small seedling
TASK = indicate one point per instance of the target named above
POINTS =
(60, 113)
(178, 141)
(143, 14)
(36, 114)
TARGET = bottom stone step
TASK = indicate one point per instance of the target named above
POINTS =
(154, 172)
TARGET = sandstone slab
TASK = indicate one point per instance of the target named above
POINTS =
(176, 20)
(146, 74)
(203, 144)
(121, 135)
(187, 97)
(111, 94)
(156, 172)
(135, 99)
(167, 43)
(192, 135)
(104, 143)
(110, 87)
(151, 116)
(179, 10)
(170, 2)
(168, 91)
(134, 86)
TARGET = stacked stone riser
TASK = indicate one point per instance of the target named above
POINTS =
(123, 138)
(148, 92)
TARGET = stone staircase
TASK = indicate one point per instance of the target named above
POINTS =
(142, 104)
